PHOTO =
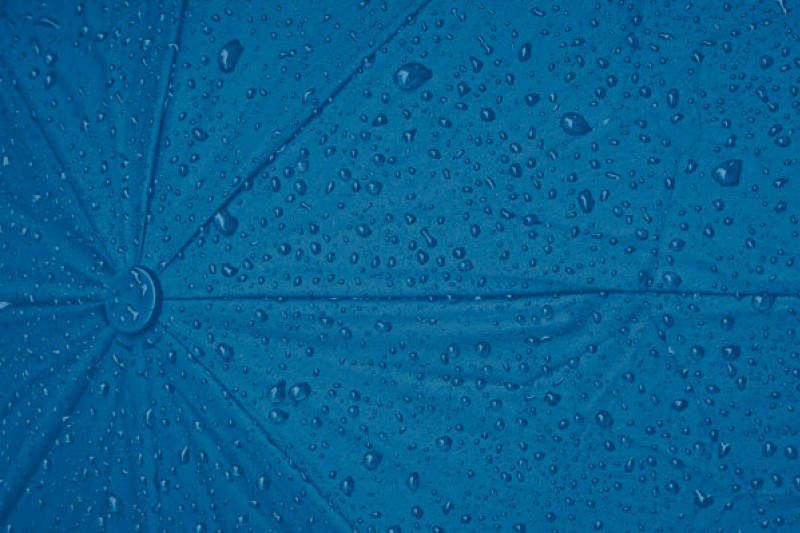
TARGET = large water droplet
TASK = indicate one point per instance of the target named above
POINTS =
(300, 391)
(229, 56)
(411, 76)
(586, 201)
(277, 392)
(278, 416)
(574, 124)
(372, 460)
(225, 222)
(762, 302)
(604, 419)
(727, 174)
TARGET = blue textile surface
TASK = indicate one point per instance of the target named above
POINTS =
(386, 266)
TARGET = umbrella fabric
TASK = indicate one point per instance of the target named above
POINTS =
(399, 266)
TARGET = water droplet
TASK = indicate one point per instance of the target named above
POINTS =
(444, 443)
(300, 391)
(229, 56)
(278, 416)
(731, 352)
(413, 481)
(676, 245)
(586, 201)
(728, 173)
(702, 500)
(50, 80)
(383, 325)
(225, 222)
(552, 398)
(363, 230)
(225, 351)
(372, 460)
(347, 486)
(762, 302)
(574, 124)
(411, 76)
(199, 134)
(277, 392)
(672, 280)
(673, 98)
(604, 419)
(680, 404)
(697, 352)
(115, 504)
(525, 52)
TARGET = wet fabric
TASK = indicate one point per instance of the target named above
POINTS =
(399, 266)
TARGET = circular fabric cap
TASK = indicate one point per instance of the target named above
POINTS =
(134, 300)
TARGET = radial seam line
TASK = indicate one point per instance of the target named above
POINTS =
(149, 190)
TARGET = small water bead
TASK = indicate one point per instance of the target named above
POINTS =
(199, 134)
(347, 486)
(525, 52)
(413, 481)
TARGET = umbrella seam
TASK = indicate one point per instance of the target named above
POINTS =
(149, 190)
(480, 297)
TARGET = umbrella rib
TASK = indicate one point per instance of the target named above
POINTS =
(101, 248)
(39, 452)
(257, 423)
(90, 303)
(163, 265)
(472, 297)
(149, 190)
(125, 396)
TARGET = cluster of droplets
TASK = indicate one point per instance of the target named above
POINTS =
(548, 178)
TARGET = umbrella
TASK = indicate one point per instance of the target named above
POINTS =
(387, 266)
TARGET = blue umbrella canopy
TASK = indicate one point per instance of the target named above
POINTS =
(398, 266)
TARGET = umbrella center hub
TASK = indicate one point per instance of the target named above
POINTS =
(134, 300)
